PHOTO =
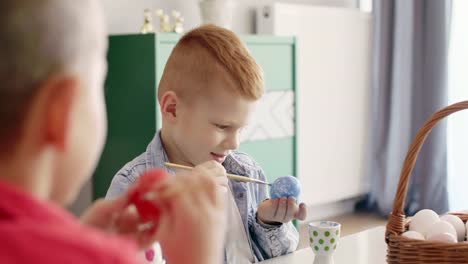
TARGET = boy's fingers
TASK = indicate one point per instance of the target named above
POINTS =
(209, 165)
(221, 200)
(167, 193)
(157, 233)
(292, 209)
(276, 207)
(223, 181)
(166, 189)
(102, 212)
(302, 213)
(210, 188)
(110, 206)
(162, 185)
(219, 170)
(284, 208)
(128, 221)
(212, 168)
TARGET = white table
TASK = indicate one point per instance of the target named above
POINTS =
(367, 247)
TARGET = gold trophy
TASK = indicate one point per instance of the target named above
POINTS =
(178, 24)
(164, 25)
(148, 23)
(164, 22)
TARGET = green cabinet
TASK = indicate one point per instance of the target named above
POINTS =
(135, 65)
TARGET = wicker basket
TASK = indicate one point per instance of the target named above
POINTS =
(404, 250)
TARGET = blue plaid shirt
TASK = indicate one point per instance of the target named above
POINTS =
(267, 241)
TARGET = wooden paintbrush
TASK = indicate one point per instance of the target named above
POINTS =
(230, 176)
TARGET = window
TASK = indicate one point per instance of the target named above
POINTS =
(365, 5)
(458, 123)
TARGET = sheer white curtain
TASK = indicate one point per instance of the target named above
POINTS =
(458, 123)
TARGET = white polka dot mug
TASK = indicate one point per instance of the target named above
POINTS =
(323, 239)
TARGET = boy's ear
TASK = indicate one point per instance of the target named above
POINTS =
(169, 103)
(60, 97)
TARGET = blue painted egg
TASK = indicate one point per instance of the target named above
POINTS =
(286, 186)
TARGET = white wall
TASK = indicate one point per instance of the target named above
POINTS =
(332, 98)
(125, 16)
(458, 123)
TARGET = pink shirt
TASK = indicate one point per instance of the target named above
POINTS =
(36, 232)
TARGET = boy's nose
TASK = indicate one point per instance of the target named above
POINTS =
(232, 142)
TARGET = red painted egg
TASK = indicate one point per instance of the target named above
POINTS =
(146, 208)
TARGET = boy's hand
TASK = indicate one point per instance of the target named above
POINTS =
(115, 216)
(213, 169)
(192, 219)
(193, 227)
(282, 210)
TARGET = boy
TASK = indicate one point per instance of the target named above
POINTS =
(207, 92)
(52, 70)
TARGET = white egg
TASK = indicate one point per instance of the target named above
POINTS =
(443, 237)
(466, 228)
(457, 223)
(440, 228)
(422, 220)
(413, 235)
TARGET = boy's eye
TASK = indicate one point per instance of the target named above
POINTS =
(221, 126)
